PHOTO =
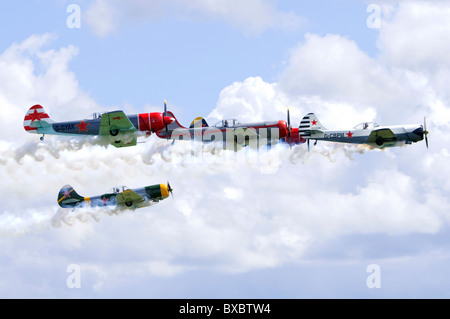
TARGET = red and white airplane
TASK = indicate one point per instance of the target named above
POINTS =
(369, 133)
(233, 133)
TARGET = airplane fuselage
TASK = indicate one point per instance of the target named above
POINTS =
(151, 194)
(148, 195)
(145, 122)
(401, 134)
(242, 134)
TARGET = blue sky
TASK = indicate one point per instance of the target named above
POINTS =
(186, 61)
(302, 225)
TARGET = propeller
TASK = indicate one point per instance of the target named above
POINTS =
(169, 189)
(425, 132)
(289, 128)
(164, 119)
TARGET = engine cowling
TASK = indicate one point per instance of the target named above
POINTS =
(153, 122)
(295, 137)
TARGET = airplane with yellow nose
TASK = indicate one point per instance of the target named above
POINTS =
(119, 197)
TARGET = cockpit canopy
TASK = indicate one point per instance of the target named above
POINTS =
(119, 189)
(227, 123)
(94, 116)
(366, 126)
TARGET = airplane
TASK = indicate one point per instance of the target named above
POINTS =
(369, 133)
(240, 133)
(119, 196)
(120, 127)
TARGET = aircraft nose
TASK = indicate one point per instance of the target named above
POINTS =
(419, 132)
(164, 190)
(168, 120)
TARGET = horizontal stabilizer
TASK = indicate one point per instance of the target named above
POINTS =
(40, 124)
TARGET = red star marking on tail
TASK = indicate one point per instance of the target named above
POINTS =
(104, 200)
(82, 126)
(314, 122)
(349, 134)
(35, 116)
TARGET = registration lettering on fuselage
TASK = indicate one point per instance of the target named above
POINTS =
(334, 135)
(64, 127)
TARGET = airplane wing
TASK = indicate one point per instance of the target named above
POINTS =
(129, 197)
(132, 142)
(114, 122)
(381, 136)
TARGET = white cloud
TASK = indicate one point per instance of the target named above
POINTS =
(255, 100)
(250, 100)
(29, 75)
(251, 17)
(426, 24)
(334, 68)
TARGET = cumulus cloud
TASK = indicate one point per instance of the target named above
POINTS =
(31, 74)
(334, 68)
(426, 23)
(251, 17)
(255, 100)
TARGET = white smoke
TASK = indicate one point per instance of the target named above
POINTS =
(70, 216)
(77, 156)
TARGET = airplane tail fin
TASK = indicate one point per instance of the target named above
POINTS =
(308, 124)
(68, 197)
(199, 122)
(36, 119)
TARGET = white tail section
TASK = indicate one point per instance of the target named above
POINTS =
(310, 123)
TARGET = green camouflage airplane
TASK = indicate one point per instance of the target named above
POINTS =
(118, 197)
(120, 127)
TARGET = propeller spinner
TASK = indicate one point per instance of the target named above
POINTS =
(166, 119)
(169, 189)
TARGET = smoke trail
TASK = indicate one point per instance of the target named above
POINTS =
(183, 152)
(30, 221)
(55, 145)
(211, 157)
(38, 151)
(70, 217)
(329, 150)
